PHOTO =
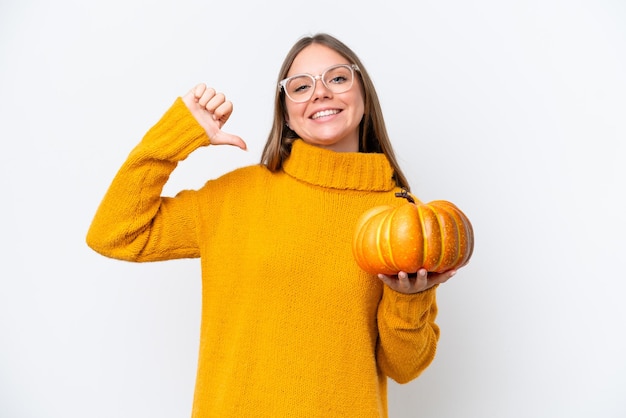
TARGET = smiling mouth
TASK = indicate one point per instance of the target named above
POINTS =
(325, 113)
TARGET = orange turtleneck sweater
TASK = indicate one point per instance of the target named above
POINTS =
(291, 327)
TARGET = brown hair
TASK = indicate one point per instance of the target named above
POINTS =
(372, 131)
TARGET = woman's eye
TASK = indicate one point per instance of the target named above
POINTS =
(338, 79)
(300, 88)
(299, 85)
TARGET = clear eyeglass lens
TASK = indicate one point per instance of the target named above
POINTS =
(337, 79)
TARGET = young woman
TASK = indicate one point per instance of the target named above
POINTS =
(291, 326)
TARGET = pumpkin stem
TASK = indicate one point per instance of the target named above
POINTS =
(405, 195)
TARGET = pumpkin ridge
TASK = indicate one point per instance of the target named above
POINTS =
(364, 225)
(468, 230)
(463, 254)
(376, 261)
(459, 247)
(432, 228)
(442, 240)
(465, 244)
(359, 248)
(425, 246)
(382, 239)
(451, 246)
(386, 242)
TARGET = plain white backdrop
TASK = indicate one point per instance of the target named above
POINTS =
(514, 110)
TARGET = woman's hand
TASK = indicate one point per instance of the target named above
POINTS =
(212, 110)
(414, 283)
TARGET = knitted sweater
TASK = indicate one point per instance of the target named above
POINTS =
(290, 327)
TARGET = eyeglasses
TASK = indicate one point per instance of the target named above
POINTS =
(300, 87)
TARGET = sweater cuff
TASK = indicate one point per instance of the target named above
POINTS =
(176, 135)
(410, 309)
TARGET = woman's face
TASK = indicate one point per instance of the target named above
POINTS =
(328, 120)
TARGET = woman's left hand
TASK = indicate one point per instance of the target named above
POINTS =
(417, 282)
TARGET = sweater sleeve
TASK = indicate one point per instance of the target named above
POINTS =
(408, 334)
(133, 221)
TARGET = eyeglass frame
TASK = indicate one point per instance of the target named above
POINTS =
(283, 83)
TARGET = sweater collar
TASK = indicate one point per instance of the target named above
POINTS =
(339, 170)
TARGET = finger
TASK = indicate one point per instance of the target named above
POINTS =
(422, 277)
(404, 282)
(198, 90)
(440, 278)
(224, 138)
(387, 280)
(223, 111)
(191, 97)
(207, 95)
(214, 100)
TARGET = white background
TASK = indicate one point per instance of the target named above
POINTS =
(514, 110)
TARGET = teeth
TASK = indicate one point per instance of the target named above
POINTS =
(325, 113)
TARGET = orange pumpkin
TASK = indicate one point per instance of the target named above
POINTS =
(436, 236)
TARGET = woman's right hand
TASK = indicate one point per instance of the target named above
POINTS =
(212, 110)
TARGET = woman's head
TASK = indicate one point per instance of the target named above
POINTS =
(323, 103)
(360, 122)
